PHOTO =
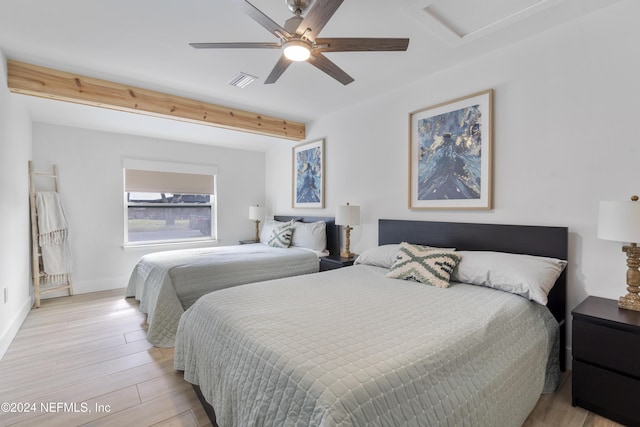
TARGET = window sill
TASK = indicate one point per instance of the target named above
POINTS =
(169, 245)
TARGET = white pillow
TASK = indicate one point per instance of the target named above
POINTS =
(526, 275)
(310, 235)
(268, 226)
(379, 256)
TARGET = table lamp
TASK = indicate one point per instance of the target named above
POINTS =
(256, 213)
(347, 216)
(620, 222)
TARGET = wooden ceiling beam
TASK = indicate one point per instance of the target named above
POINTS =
(44, 82)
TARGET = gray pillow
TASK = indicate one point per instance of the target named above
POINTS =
(379, 256)
(526, 275)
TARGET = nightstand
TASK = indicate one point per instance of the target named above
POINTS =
(333, 262)
(247, 242)
(606, 360)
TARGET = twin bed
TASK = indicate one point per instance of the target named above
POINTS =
(354, 347)
(168, 283)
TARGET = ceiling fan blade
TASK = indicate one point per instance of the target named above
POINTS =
(317, 17)
(236, 45)
(323, 63)
(262, 19)
(360, 44)
(282, 64)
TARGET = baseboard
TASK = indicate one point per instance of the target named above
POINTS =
(10, 332)
(87, 286)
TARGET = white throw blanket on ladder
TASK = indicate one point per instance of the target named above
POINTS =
(53, 232)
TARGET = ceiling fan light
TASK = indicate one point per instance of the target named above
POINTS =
(297, 50)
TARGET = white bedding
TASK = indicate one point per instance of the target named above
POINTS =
(167, 283)
(350, 347)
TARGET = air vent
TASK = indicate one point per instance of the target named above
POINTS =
(242, 80)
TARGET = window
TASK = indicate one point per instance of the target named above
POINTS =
(169, 202)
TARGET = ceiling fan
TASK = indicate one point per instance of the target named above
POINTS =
(299, 40)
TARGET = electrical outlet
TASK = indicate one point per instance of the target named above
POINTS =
(6, 295)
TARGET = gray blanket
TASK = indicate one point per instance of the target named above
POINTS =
(351, 347)
(167, 283)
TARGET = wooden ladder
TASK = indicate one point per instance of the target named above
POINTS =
(36, 254)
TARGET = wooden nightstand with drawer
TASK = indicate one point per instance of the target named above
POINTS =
(606, 360)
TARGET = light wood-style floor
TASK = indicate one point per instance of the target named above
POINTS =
(91, 350)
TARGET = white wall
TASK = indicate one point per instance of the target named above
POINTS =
(566, 112)
(90, 173)
(15, 152)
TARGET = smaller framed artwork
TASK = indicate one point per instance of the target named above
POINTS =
(308, 175)
(450, 154)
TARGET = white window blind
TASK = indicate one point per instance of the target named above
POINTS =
(146, 181)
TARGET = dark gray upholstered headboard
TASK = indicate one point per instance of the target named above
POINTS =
(517, 239)
(333, 230)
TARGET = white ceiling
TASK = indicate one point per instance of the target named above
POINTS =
(144, 43)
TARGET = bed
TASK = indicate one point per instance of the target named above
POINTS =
(167, 283)
(354, 347)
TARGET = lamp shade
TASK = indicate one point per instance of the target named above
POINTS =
(256, 213)
(619, 221)
(348, 215)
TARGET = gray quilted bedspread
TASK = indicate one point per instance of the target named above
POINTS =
(167, 283)
(351, 347)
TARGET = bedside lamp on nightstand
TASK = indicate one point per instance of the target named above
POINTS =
(256, 213)
(620, 221)
(347, 216)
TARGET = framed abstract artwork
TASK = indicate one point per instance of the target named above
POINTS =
(308, 175)
(450, 154)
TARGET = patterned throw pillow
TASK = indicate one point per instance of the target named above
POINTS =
(281, 236)
(425, 265)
